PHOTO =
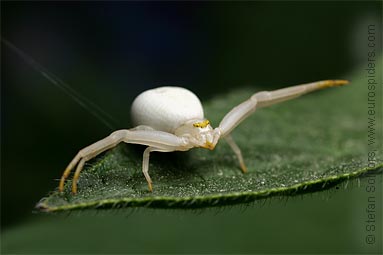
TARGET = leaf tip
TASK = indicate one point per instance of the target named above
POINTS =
(41, 206)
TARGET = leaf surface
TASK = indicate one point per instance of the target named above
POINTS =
(308, 144)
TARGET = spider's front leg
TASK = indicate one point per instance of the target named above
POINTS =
(156, 140)
(263, 99)
(229, 139)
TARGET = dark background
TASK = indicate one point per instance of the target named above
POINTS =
(109, 53)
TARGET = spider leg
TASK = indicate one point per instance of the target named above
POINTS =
(145, 163)
(262, 99)
(267, 98)
(160, 141)
(229, 139)
(86, 154)
(77, 174)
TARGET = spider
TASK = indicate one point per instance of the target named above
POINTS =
(172, 119)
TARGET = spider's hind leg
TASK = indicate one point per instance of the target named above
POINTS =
(156, 140)
(88, 153)
(237, 152)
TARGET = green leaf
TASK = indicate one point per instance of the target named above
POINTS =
(304, 145)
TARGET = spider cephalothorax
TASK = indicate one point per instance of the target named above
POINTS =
(199, 133)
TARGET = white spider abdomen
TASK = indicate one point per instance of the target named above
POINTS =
(166, 108)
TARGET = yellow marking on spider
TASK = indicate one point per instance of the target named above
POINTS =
(208, 145)
(201, 124)
(332, 83)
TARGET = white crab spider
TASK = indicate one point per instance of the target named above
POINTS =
(172, 119)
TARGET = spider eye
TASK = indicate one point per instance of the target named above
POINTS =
(201, 124)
